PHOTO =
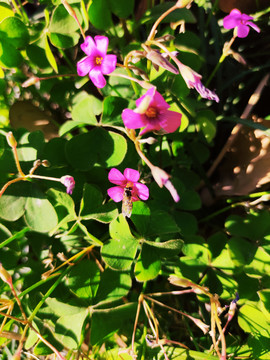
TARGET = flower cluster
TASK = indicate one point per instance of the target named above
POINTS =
(152, 112)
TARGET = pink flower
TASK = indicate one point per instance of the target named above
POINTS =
(152, 113)
(69, 183)
(240, 22)
(162, 179)
(130, 180)
(193, 81)
(97, 62)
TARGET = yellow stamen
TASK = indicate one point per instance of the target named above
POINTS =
(151, 112)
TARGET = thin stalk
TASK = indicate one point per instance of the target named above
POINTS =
(225, 53)
(136, 323)
(18, 235)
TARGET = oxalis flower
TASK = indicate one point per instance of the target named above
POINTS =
(69, 183)
(152, 114)
(240, 22)
(97, 63)
(193, 81)
(128, 188)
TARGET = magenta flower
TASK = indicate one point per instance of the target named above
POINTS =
(97, 62)
(130, 180)
(152, 113)
(193, 81)
(240, 22)
(69, 183)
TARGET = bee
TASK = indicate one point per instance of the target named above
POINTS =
(127, 200)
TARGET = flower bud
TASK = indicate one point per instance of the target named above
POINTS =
(5, 276)
(45, 163)
(159, 60)
(31, 81)
(11, 139)
(69, 183)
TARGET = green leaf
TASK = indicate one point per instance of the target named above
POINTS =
(260, 347)
(107, 321)
(241, 251)
(83, 280)
(119, 252)
(148, 264)
(260, 265)
(100, 15)
(196, 248)
(97, 147)
(141, 217)
(113, 286)
(186, 222)
(9, 55)
(5, 11)
(63, 27)
(161, 223)
(42, 349)
(122, 8)
(92, 207)
(83, 111)
(14, 31)
(253, 321)
(40, 215)
(60, 308)
(206, 120)
(166, 249)
(12, 202)
(112, 110)
(68, 335)
(49, 55)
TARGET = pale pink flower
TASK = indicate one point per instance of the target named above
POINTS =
(193, 81)
(129, 179)
(241, 23)
(162, 179)
(152, 114)
(97, 62)
(69, 183)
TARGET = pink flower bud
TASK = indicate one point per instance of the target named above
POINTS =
(69, 183)
(162, 179)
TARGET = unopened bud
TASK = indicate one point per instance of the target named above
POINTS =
(11, 139)
(183, 3)
(5, 276)
(31, 81)
(165, 38)
(159, 60)
(45, 163)
(149, 140)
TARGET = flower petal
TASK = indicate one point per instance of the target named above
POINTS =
(85, 65)
(242, 31)
(159, 102)
(170, 120)
(116, 193)
(102, 44)
(133, 120)
(150, 93)
(232, 20)
(254, 26)
(97, 78)
(116, 177)
(131, 175)
(142, 191)
(108, 64)
(150, 127)
(88, 46)
(172, 190)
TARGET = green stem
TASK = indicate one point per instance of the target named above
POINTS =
(90, 236)
(39, 283)
(18, 235)
(216, 213)
(225, 53)
(48, 293)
